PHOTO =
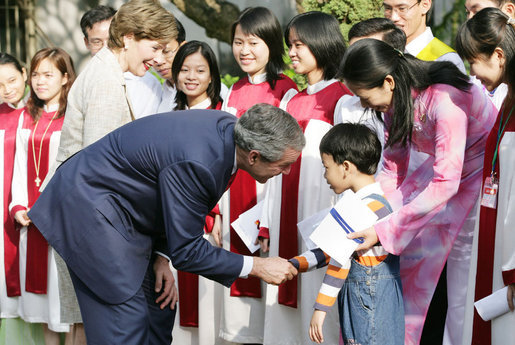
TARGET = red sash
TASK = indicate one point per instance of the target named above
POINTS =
(37, 247)
(9, 123)
(188, 282)
(482, 332)
(242, 196)
(304, 107)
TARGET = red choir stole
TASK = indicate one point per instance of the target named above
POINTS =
(242, 194)
(37, 247)
(303, 107)
(188, 282)
(482, 331)
(8, 125)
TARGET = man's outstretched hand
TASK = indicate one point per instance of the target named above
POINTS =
(274, 270)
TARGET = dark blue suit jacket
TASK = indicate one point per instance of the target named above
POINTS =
(154, 179)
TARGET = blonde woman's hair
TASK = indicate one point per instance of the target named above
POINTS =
(146, 19)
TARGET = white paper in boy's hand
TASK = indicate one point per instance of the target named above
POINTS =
(493, 305)
(308, 225)
(350, 214)
(247, 228)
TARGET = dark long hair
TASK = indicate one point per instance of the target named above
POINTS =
(7, 59)
(367, 63)
(63, 62)
(487, 30)
(321, 33)
(261, 22)
(213, 90)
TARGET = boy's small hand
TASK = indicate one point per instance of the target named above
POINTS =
(369, 237)
(315, 326)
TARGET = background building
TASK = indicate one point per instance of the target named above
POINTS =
(29, 25)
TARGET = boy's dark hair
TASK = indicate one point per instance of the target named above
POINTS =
(181, 33)
(95, 15)
(391, 33)
(355, 143)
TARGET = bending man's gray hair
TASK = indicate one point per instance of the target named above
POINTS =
(268, 130)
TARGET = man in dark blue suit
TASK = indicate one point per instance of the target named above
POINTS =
(153, 180)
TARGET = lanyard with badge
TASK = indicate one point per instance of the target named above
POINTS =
(491, 185)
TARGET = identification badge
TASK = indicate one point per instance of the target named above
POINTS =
(490, 188)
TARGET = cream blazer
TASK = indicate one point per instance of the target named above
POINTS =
(97, 104)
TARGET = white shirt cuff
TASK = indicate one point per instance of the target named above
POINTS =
(248, 262)
(161, 254)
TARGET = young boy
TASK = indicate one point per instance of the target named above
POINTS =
(368, 286)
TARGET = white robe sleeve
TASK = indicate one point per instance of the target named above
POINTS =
(287, 97)
(506, 207)
(19, 181)
(225, 106)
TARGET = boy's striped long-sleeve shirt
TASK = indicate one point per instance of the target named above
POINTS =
(336, 273)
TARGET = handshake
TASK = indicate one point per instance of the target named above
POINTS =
(274, 270)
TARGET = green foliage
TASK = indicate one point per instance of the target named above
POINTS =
(448, 29)
(228, 79)
(348, 12)
(299, 79)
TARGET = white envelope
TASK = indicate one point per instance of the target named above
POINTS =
(308, 225)
(494, 305)
(350, 214)
(247, 228)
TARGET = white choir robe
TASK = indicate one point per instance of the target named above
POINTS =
(8, 305)
(29, 306)
(209, 301)
(285, 325)
(503, 327)
(242, 318)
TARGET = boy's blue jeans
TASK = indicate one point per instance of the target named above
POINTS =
(370, 304)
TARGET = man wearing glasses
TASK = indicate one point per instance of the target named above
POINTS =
(165, 70)
(411, 16)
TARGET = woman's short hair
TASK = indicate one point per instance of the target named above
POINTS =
(261, 22)
(321, 33)
(146, 19)
(63, 62)
(482, 34)
(187, 49)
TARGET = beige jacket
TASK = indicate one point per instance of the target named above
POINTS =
(97, 104)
